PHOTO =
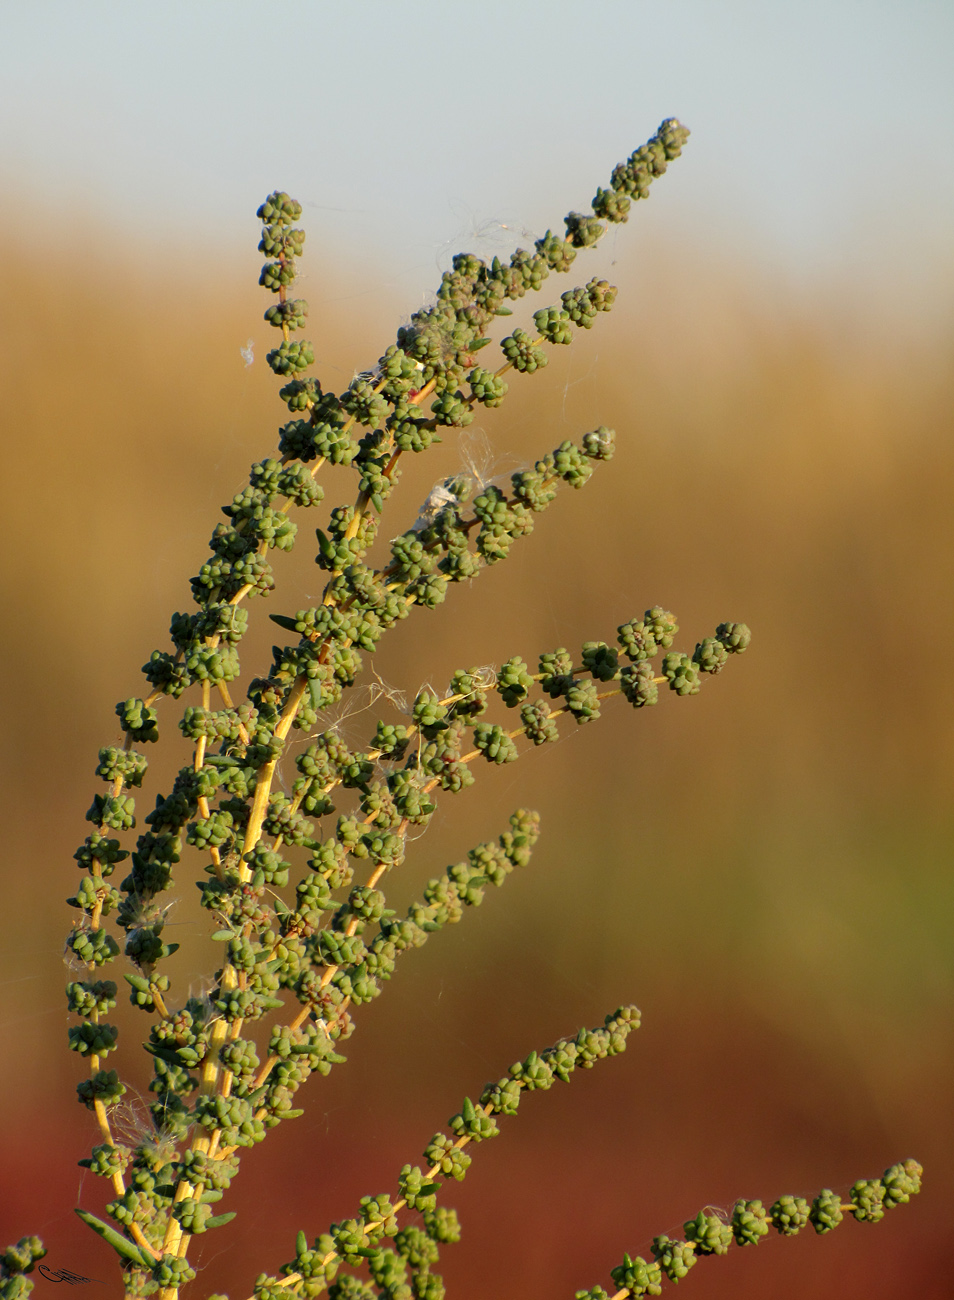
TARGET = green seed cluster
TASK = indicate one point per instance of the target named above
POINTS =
(428, 379)
(407, 1270)
(750, 1221)
(297, 929)
(15, 1263)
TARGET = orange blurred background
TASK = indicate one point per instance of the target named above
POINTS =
(763, 869)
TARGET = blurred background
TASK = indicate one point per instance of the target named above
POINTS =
(765, 868)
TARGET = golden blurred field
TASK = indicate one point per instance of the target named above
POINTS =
(764, 869)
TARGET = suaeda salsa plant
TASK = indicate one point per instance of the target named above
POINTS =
(294, 872)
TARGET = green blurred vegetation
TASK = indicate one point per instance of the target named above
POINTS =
(765, 869)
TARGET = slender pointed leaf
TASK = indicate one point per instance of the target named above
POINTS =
(123, 1247)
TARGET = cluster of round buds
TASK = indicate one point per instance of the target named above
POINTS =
(280, 241)
(416, 1249)
(446, 734)
(221, 801)
(750, 1221)
(633, 178)
(15, 1263)
(283, 243)
(437, 347)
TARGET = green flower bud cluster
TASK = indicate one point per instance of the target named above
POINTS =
(582, 305)
(170, 1272)
(749, 1222)
(146, 1201)
(558, 254)
(439, 757)
(336, 943)
(15, 1263)
(102, 851)
(182, 1038)
(710, 655)
(288, 315)
(124, 765)
(437, 349)
(147, 991)
(91, 1039)
(407, 1270)
(290, 357)
(523, 353)
(83, 997)
(281, 242)
(138, 721)
(234, 1118)
(582, 230)
(634, 177)
(102, 1086)
(94, 947)
(356, 966)
(486, 387)
(552, 323)
(95, 898)
(644, 638)
(107, 1160)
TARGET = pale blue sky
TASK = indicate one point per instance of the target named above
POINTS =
(823, 132)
